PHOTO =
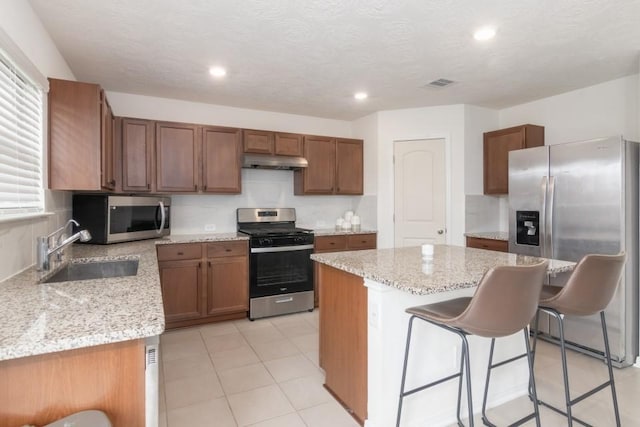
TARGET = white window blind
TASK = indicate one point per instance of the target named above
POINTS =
(21, 112)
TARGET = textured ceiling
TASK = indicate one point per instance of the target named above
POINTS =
(310, 56)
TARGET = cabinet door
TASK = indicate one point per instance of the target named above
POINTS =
(319, 176)
(177, 157)
(227, 285)
(181, 283)
(497, 145)
(75, 117)
(137, 146)
(349, 164)
(221, 156)
(288, 144)
(496, 159)
(257, 141)
(107, 124)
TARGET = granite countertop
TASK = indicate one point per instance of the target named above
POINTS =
(334, 232)
(38, 318)
(493, 235)
(201, 238)
(452, 267)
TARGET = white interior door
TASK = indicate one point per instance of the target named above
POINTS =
(419, 192)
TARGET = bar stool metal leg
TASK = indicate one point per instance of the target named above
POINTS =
(607, 354)
(464, 366)
(568, 401)
(532, 385)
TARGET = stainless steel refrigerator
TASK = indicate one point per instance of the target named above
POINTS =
(572, 199)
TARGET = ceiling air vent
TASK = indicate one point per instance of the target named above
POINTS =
(440, 83)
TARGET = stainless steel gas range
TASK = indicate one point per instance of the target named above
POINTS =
(280, 267)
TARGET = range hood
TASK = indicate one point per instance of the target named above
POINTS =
(266, 161)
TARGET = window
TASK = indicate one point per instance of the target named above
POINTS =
(21, 112)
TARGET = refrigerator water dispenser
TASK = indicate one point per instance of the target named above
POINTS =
(528, 228)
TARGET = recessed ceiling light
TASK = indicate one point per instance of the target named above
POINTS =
(217, 71)
(484, 33)
(360, 96)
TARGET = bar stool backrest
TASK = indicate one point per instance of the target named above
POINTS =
(504, 302)
(590, 287)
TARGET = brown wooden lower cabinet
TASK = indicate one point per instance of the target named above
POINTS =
(41, 389)
(343, 338)
(490, 244)
(339, 243)
(204, 282)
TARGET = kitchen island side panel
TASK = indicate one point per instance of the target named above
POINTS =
(343, 338)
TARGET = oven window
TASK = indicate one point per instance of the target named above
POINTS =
(281, 272)
(128, 219)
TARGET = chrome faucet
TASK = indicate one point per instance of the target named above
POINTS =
(45, 248)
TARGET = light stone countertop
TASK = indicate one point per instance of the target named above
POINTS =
(37, 318)
(452, 267)
(493, 235)
(334, 232)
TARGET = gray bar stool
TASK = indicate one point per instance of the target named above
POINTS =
(588, 291)
(505, 301)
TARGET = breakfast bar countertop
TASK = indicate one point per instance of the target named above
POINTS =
(451, 268)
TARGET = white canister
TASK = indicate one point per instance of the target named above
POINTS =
(355, 223)
(339, 223)
(346, 225)
(427, 251)
(348, 215)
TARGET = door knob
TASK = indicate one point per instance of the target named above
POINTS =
(441, 231)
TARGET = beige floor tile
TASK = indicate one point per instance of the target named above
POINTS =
(220, 343)
(275, 349)
(262, 335)
(329, 414)
(192, 390)
(313, 358)
(307, 343)
(246, 324)
(297, 328)
(306, 392)
(182, 350)
(288, 318)
(235, 358)
(220, 328)
(214, 412)
(289, 420)
(180, 336)
(245, 378)
(187, 367)
(258, 405)
(291, 367)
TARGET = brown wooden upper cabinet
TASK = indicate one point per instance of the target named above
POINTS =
(81, 126)
(497, 145)
(177, 157)
(221, 160)
(267, 142)
(137, 154)
(335, 166)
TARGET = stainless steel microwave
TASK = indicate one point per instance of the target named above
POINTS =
(113, 219)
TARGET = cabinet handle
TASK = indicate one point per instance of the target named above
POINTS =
(112, 182)
(204, 188)
(148, 186)
(209, 263)
(200, 264)
(332, 243)
(227, 250)
(180, 253)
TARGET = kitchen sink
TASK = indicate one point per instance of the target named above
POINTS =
(94, 270)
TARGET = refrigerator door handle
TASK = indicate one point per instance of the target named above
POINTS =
(549, 232)
(544, 184)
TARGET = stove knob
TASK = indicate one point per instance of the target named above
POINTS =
(266, 241)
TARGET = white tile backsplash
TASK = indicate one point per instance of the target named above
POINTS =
(265, 189)
(485, 213)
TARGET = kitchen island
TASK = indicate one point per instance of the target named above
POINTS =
(363, 328)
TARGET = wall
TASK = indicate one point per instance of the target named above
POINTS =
(420, 123)
(17, 238)
(260, 188)
(366, 128)
(606, 109)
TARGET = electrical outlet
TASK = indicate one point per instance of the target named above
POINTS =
(209, 227)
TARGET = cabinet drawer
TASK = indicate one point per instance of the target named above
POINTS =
(361, 241)
(231, 248)
(490, 244)
(179, 251)
(330, 243)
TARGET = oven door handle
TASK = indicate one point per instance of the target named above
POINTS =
(281, 249)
